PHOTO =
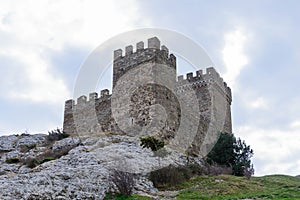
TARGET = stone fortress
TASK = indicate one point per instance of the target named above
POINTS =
(94, 114)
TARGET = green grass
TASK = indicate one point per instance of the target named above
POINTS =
(231, 187)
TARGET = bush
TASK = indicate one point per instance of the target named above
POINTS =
(152, 143)
(209, 169)
(46, 157)
(215, 170)
(248, 172)
(30, 162)
(197, 169)
(26, 148)
(12, 160)
(124, 181)
(170, 176)
(174, 175)
(155, 145)
(242, 163)
(223, 151)
(234, 153)
(56, 135)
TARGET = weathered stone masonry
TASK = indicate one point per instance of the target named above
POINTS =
(94, 115)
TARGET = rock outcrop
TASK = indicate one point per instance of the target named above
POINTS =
(83, 173)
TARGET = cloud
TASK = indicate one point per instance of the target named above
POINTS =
(275, 151)
(29, 30)
(36, 81)
(102, 21)
(53, 24)
(234, 56)
(35, 33)
(295, 124)
(259, 103)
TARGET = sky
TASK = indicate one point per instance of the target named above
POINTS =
(255, 46)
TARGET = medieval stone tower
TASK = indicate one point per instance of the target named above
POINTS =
(94, 114)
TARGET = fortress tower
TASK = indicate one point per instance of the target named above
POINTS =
(155, 53)
(94, 115)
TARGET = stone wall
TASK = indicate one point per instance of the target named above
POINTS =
(89, 116)
(94, 115)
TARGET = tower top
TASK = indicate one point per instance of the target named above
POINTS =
(153, 44)
(154, 53)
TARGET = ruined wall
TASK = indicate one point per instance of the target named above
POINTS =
(95, 114)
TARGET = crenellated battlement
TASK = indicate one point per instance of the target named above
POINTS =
(153, 45)
(201, 80)
(211, 73)
(155, 52)
(83, 100)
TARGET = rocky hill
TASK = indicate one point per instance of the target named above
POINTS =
(38, 167)
(44, 167)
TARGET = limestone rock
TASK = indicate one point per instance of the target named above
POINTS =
(81, 174)
(7, 143)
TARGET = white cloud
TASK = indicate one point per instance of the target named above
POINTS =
(295, 124)
(104, 20)
(275, 151)
(29, 28)
(53, 24)
(234, 56)
(259, 103)
(39, 83)
(31, 32)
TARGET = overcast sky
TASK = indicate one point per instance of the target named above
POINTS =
(254, 44)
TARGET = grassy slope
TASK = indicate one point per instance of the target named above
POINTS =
(231, 187)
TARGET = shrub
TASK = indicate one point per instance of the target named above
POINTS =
(215, 169)
(124, 181)
(174, 175)
(197, 169)
(223, 151)
(152, 143)
(234, 153)
(61, 152)
(12, 160)
(248, 172)
(209, 169)
(30, 162)
(242, 163)
(56, 135)
(26, 148)
(46, 157)
(155, 145)
(4, 151)
(170, 176)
